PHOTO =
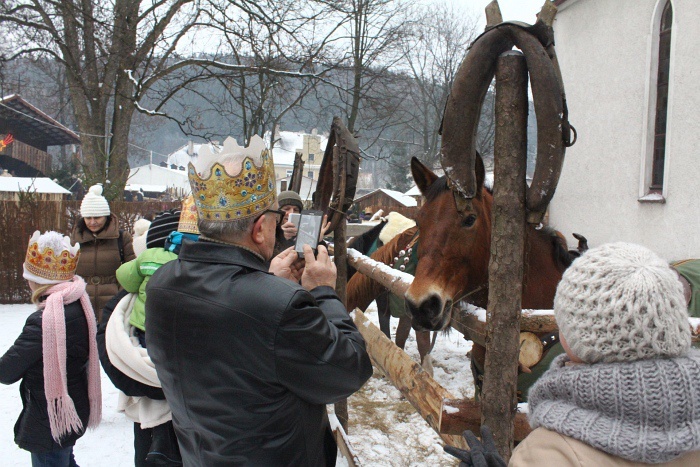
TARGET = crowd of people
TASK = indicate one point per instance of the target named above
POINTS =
(227, 347)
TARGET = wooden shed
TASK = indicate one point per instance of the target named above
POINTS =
(387, 200)
(33, 132)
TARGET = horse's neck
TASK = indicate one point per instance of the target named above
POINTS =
(541, 272)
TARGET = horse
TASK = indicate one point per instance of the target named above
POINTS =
(453, 262)
(453, 257)
(361, 290)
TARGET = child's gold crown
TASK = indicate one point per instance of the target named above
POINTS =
(233, 183)
(51, 257)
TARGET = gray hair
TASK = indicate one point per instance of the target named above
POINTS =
(229, 230)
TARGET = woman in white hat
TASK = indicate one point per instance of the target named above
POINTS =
(55, 356)
(104, 248)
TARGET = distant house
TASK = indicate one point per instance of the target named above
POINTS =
(386, 200)
(308, 187)
(630, 70)
(43, 188)
(33, 132)
(311, 146)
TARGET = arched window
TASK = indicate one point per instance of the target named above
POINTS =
(659, 154)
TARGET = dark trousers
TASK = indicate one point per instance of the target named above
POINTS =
(142, 444)
(61, 458)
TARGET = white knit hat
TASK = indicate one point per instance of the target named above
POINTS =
(621, 302)
(94, 204)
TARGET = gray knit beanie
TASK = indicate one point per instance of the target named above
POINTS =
(290, 198)
(620, 302)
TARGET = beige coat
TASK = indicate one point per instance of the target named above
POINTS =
(99, 260)
(543, 447)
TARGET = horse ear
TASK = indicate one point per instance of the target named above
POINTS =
(480, 172)
(422, 175)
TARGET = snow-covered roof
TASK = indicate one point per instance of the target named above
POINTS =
(289, 142)
(413, 192)
(152, 174)
(34, 185)
(396, 195)
(180, 157)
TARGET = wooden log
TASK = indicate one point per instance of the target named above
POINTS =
(416, 385)
(458, 415)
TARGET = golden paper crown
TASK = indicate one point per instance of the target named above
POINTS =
(188, 217)
(233, 183)
(51, 258)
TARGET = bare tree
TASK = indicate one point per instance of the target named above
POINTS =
(433, 54)
(114, 53)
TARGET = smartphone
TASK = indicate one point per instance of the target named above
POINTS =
(308, 231)
(294, 218)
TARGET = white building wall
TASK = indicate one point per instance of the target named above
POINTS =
(605, 50)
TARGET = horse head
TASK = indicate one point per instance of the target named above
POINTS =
(454, 248)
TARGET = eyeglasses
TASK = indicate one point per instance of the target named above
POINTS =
(279, 215)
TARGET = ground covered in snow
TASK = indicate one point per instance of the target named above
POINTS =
(385, 430)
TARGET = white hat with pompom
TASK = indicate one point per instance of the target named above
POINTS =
(94, 204)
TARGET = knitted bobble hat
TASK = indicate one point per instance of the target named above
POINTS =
(620, 302)
(161, 227)
(290, 198)
(94, 204)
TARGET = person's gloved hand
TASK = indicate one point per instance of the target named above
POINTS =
(482, 454)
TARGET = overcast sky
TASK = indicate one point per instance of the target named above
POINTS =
(512, 10)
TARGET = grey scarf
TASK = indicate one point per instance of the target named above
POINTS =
(644, 411)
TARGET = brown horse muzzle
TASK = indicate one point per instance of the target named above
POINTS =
(429, 313)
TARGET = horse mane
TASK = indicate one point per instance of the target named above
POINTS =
(560, 251)
(363, 243)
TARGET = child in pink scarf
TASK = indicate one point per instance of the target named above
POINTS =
(55, 356)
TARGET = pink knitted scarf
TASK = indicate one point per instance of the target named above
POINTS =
(62, 414)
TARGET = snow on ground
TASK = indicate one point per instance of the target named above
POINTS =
(385, 430)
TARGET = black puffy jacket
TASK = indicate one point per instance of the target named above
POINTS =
(24, 361)
(247, 360)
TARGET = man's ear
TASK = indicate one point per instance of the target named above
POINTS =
(258, 234)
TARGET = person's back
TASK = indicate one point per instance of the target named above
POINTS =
(247, 359)
(257, 358)
(627, 391)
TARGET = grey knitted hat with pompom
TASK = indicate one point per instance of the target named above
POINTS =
(620, 302)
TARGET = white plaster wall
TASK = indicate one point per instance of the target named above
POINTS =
(604, 50)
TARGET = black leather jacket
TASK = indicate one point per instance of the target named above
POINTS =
(24, 361)
(248, 360)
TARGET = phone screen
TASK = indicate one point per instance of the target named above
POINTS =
(309, 231)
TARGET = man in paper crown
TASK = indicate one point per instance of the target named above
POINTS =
(247, 357)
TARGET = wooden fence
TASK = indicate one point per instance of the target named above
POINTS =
(19, 219)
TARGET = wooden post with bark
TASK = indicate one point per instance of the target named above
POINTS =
(499, 403)
(340, 257)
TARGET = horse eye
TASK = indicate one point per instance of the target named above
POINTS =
(469, 220)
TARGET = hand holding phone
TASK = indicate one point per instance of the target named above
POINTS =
(309, 231)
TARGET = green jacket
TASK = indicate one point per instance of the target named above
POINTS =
(690, 269)
(134, 276)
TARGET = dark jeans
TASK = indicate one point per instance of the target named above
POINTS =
(61, 458)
